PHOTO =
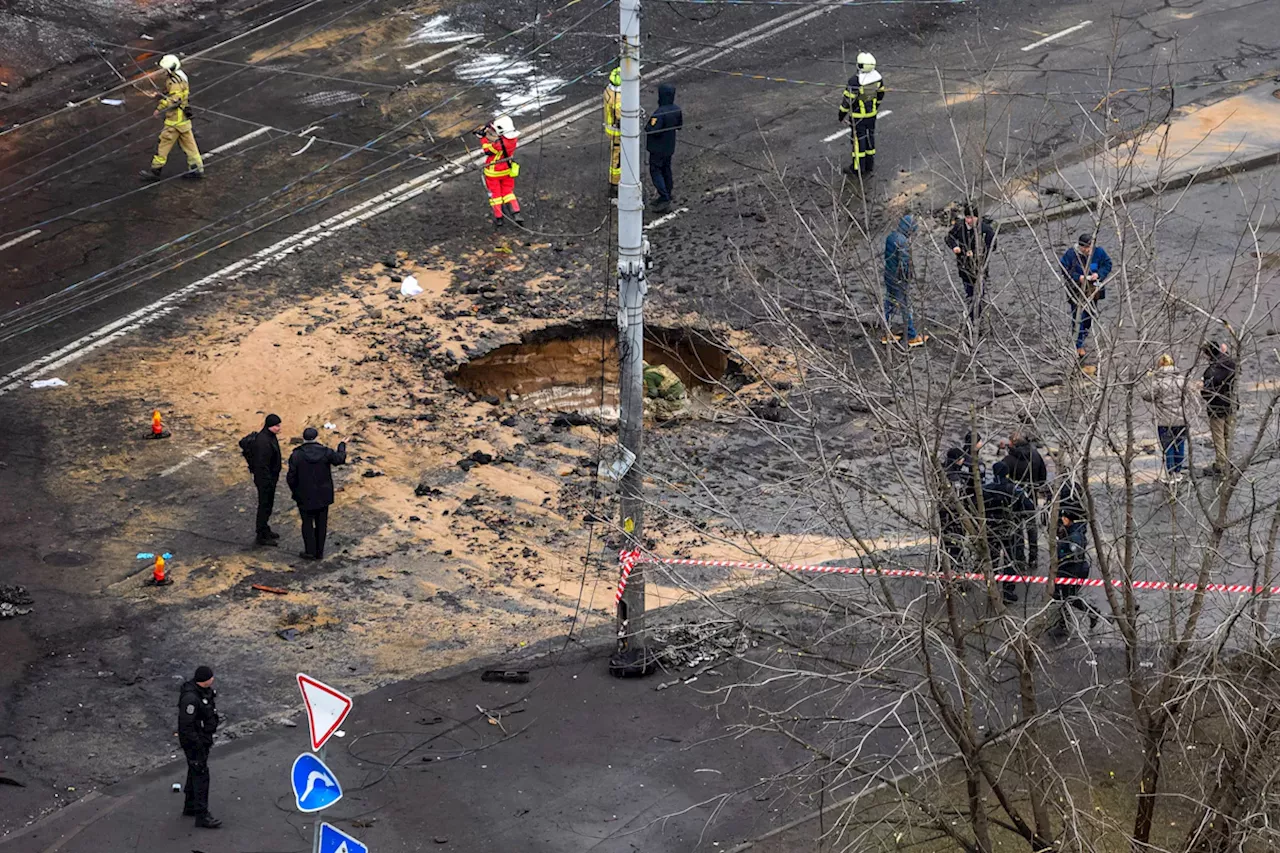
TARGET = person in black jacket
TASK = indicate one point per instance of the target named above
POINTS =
(1219, 394)
(956, 500)
(262, 452)
(660, 140)
(1026, 465)
(197, 721)
(972, 255)
(1073, 562)
(1010, 513)
(310, 480)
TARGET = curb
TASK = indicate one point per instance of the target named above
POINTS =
(1249, 164)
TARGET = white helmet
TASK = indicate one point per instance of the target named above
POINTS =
(170, 63)
(866, 62)
(505, 126)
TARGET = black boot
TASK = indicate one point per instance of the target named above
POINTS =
(207, 821)
(497, 222)
(194, 174)
(149, 174)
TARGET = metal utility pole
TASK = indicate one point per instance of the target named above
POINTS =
(631, 657)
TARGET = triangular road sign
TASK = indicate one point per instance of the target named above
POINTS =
(326, 708)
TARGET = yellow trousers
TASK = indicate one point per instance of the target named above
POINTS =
(181, 134)
(615, 159)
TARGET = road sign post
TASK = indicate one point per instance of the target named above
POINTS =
(315, 787)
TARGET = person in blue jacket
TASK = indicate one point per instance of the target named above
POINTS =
(660, 141)
(1085, 268)
(897, 281)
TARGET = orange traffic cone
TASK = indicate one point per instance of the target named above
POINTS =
(157, 426)
(160, 573)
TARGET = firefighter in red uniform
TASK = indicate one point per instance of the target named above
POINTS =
(498, 141)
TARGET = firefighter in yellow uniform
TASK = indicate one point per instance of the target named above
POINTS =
(613, 127)
(177, 122)
(859, 107)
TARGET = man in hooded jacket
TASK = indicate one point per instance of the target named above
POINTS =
(310, 480)
(660, 141)
(898, 271)
(262, 452)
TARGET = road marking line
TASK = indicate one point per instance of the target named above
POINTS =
(380, 203)
(233, 143)
(16, 240)
(413, 66)
(678, 51)
(845, 131)
(185, 462)
(1068, 31)
(663, 220)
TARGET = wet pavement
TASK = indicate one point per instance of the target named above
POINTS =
(284, 223)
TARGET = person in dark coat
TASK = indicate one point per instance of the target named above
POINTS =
(197, 721)
(660, 140)
(1085, 267)
(1218, 391)
(972, 255)
(955, 500)
(1026, 465)
(263, 456)
(971, 447)
(310, 480)
(1073, 562)
(1010, 512)
(898, 272)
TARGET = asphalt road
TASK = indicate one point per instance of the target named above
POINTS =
(388, 92)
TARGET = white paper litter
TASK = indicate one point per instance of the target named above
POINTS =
(410, 286)
(112, 102)
(330, 426)
(147, 37)
(48, 383)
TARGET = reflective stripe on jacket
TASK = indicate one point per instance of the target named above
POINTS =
(498, 156)
(862, 97)
(175, 101)
(612, 110)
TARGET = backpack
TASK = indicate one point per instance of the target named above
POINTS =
(246, 448)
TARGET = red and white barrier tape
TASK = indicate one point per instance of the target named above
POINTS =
(970, 576)
(628, 560)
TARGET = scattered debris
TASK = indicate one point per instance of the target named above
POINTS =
(410, 287)
(14, 600)
(288, 723)
(112, 102)
(511, 676)
(364, 822)
(272, 589)
(55, 382)
(288, 634)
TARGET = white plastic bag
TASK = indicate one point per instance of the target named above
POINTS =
(410, 286)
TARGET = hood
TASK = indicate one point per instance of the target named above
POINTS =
(666, 95)
(907, 225)
(313, 451)
(1020, 449)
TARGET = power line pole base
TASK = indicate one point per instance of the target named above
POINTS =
(633, 663)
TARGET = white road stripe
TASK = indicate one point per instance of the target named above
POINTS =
(1068, 31)
(845, 131)
(663, 220)
(358, 213)
(233, 143)
(413, 66)
(185, 462)
(16, 240)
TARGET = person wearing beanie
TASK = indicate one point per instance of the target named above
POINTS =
(310, 481)
(1085, 267)
(261, 451)
(972, 255)
(197, 721)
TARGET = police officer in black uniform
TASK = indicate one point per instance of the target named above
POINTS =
(197, 721)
